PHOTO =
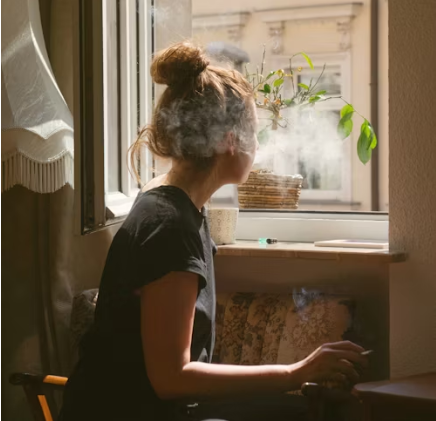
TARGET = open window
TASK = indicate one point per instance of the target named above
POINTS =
(115, 96)
(114, 44)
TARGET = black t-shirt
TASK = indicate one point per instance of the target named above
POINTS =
(164, 232)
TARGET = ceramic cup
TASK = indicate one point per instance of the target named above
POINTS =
(222, 224)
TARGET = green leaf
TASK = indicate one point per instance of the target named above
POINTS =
(267, 88)
(302, 85)
(314, 98)
(270, 74)
(347, 110)
(321, 93)
(345, 126)
(288, 102)
(309, 61)
(364, 142)
(263, 136)
(373, 137)
(278, 82)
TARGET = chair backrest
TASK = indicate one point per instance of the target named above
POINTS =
(35, 387)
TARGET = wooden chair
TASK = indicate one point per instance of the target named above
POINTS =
(35, 388)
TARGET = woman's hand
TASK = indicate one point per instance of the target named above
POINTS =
(333, 361)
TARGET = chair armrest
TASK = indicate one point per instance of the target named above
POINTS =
(37, 380)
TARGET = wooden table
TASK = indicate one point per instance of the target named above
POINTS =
(408, 399)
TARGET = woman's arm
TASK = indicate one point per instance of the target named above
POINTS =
(167, 319)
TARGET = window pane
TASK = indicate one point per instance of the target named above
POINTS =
(330, 81)
(113, 166)
(234, 33)
(111, 89)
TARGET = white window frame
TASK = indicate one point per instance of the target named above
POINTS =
(106, 104)
(118, 203)
(343, 61)
(307, 227)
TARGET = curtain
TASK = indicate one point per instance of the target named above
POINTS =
(37, 126)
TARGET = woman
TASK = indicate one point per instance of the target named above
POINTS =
(149, 351)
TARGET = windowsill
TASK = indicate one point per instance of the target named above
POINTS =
(307, 251)
(118, 205)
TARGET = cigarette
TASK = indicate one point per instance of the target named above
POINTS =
(367, 352)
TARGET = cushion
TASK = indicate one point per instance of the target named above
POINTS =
(277, 328)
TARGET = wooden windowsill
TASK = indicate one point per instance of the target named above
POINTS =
(308, 251)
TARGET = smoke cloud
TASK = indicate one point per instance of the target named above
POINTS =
(306, 141)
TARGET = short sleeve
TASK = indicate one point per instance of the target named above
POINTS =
(168, 250)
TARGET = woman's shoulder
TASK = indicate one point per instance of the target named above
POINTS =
(163, 207)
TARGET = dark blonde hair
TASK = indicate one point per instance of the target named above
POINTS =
(199, 106)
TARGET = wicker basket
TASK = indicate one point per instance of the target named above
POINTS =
(270, 191)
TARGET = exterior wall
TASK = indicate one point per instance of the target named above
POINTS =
(412, 175)
(202, 7)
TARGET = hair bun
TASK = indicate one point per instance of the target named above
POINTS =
(177, 64)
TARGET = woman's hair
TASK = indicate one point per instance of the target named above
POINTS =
(199, 106)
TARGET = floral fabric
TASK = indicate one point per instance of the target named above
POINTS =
(256, 329)
(277, 328)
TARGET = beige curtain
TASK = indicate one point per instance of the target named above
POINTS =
(37, 126)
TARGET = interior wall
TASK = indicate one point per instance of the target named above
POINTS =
(412, 176)
(20, 295)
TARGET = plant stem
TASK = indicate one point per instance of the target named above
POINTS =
(316, 83)
(263, 59)
(357, 112)
(292, 76)
(340, 97)
(332, 97)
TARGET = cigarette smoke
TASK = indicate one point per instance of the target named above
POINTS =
(306, 141)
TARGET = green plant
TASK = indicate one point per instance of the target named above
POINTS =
(268, 94)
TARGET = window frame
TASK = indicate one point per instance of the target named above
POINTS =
(106, 98)
(310, 226)
(96, 208)
(88, 116)
(135, 98)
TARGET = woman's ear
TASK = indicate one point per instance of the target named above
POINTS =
(230, 141)
(228, 144)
